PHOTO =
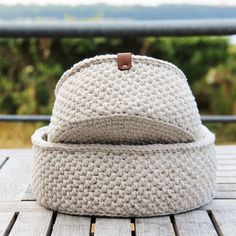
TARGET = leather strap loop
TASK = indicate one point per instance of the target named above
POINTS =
(124, 61)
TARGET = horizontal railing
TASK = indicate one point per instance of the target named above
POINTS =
(114, 29)
(120, 28)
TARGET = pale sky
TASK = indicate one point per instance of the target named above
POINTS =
(120, 2)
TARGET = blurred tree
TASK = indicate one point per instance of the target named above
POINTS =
(194, 55)
(30, 68)
(216, 91)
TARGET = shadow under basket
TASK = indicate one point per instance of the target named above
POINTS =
(123, 180)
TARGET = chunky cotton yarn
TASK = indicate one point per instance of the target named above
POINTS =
(124, 143)
(124, 180)
(150, 103)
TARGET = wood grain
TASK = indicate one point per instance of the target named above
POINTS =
(225, 195)
(71, 225)
(15, 153)
(6, 219)
(225, 222)
(112, 227)
(229, 173)
(194, 223)
(226, 167)
(220, 204)
(28, 195)
(226, 149)
(226, 187)
(14, 178)
(226, 180)
(17, 206)
(31, 223)
(155, 226)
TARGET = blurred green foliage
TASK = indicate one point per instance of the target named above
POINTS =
(30, 69)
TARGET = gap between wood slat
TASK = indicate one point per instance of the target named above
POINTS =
(92, 226)
(133, 226)
(3, 161)
(214, 222)
(226, 220)
(51, 224)
(11, 224)
(173, 222)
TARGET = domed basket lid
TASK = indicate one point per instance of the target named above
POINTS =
(124, 98)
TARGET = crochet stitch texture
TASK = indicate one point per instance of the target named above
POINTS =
(150, 103)
(124, 143)
(124, 180)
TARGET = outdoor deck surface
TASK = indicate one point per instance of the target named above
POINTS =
(21, 215)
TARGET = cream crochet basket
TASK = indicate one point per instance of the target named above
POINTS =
(125, 139)
(149, 103)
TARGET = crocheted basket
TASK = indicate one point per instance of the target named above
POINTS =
(123, 180)
(125, 139)
(149, 102)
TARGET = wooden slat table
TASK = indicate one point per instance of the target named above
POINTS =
(21, 215)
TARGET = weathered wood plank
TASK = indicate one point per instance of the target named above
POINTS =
(112, 227)
(226, 157)
(226, 167)
(229, 173)
(20, 206)
(16, 152)
(71, 225)
(225, 195)
(14, 178)
(225, 149)
(28, 195)
(226, 187)
(6, 219)
(32, 223)
(226, 162)
(226, 180)
(220, 204)
(154, 226)
(194, 223)
(225, 222)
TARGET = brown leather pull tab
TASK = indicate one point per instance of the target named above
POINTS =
(124, 61)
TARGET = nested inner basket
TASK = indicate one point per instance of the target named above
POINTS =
(98, 103)
(120, 130)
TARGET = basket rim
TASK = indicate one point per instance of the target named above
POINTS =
(86, 63)
(40, 136)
